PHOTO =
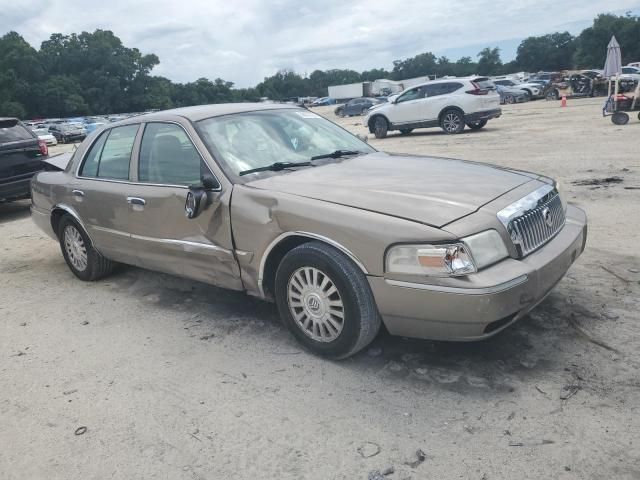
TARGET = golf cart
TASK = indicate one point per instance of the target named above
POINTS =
(619, 103)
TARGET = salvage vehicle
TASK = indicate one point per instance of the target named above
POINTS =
(21, 154)
(448, 103)
(357, 106)
(44, 134)
(534, 90)
(283, 204)
(66, 132)
(509, 95)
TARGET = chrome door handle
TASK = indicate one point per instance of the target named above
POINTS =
(78, 193)
(136, 201)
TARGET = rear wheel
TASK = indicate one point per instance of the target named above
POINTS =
(380, 127)
(620, 118)
(477, 125)
(83, 260)
(406, 131)
(452, 122)
(325, 301)
(553, 95)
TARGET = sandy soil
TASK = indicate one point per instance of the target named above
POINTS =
(178, 380)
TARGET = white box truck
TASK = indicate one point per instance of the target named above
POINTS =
(349, 91)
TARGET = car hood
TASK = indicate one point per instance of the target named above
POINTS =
(433, 191)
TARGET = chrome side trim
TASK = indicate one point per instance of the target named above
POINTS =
(464, 291)
(315, 236)
(111, 230)
(183, 243)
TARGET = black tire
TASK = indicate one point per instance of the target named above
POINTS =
(340, 112)
(97, 266)
(380, 127)
(638, 116)
(477, 125)
(364, 111)
(452, 122)
(553, 95)
(361, 321)
(406, 131)
(509, 99)
(620, 118)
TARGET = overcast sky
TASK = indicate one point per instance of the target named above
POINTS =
(245, 40)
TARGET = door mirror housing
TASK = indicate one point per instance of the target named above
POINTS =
(209, 182)
(193, 203)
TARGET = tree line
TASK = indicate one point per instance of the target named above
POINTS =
(94, 73)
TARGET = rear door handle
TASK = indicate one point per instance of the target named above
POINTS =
(136, 201)
(78, 193)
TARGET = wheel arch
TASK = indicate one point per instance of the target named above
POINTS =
(59, 211)
(450, 107)
(283, 244)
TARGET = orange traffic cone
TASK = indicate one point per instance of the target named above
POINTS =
(563, 103)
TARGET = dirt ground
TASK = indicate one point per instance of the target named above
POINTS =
(178, 380)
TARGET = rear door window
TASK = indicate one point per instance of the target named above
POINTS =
(13, 131)
(110, 155)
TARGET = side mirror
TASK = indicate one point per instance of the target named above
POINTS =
(210, 183)
(194, 201)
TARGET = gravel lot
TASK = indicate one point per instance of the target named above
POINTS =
(179, 380)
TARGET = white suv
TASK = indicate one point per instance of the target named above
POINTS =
(449, 104)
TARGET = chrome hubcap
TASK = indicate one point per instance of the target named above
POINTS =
(315, 303)
(451, 122)
(75, 248)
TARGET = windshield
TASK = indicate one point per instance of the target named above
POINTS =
(246, 141)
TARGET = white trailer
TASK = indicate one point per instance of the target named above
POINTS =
(349, 91)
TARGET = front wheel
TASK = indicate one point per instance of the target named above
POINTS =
(83, 260)
(509, 99)
(380, 127)
(325, 301)
(452, 122)
(340, 112)
(477, 125)
(553, 95)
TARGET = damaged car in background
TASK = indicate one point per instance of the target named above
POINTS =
(283, 204)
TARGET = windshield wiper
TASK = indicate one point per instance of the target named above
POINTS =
(276, 167)
(337, 154)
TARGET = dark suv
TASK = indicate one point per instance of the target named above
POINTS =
(21, 155)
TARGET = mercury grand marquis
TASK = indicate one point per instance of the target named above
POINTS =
(282, 204)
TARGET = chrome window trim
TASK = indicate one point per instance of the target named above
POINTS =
(315, 236)
(130, 182)
(461, 290)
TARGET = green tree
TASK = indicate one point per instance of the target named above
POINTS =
(418, 66)
(489, 62)
(591, 50)
(547, 52)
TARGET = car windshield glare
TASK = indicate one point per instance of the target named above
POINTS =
(246, 141)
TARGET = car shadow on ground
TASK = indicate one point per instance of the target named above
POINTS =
(531, 347)
(12, 211)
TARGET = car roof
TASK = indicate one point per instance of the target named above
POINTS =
(200, 112)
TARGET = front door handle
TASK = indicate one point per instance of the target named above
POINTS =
(136, 201)
(78, 193)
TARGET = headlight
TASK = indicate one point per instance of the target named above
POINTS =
(432, 260)
(487, 248)
(562, 194)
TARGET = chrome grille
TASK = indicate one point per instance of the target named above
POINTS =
(536, 227)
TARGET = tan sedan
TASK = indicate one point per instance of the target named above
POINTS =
(285, 205)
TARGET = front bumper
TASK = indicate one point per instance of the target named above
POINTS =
(459, 313)
(483, 115)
